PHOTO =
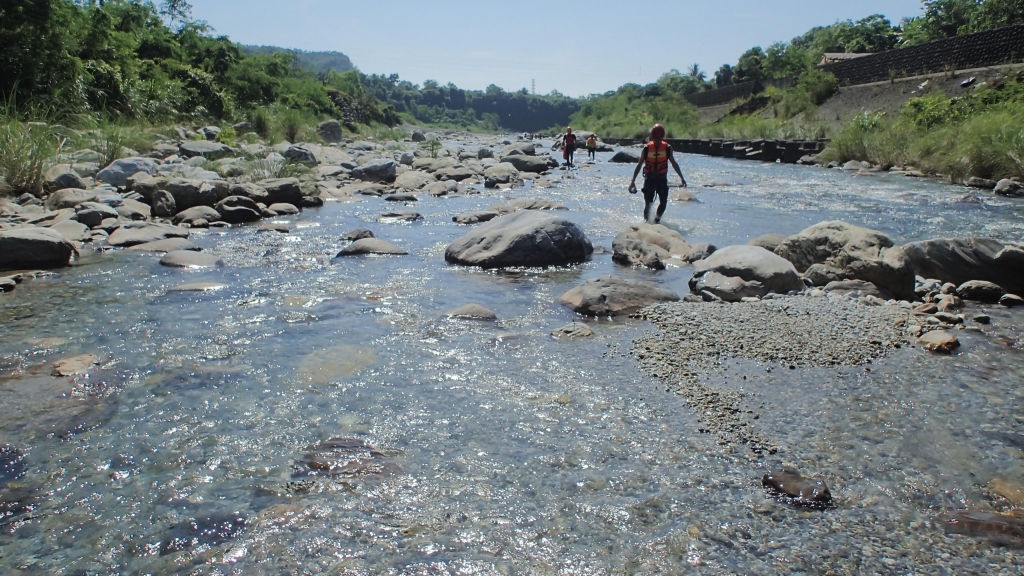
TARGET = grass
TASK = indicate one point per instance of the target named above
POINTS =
(27, 151)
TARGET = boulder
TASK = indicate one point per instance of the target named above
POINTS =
(521, 148)
(190, 259)
(750, 264)
(69, 198)
(1011, 300)
(981, 183)
(401, 198)
(134, 233)
(63, 176)
(371, 246)
(413, 180)
(284, 209)
(527, 204)
(168, 245)
(73, 230)
(572, 331)
(484, 152)
(981, 291)
(196, 213)
(311, 202)
(210, 132)
(278, 227)
(406, 159)
(614, 296)
(285, 190)
(418, 136)
(117, 173)
(962, 260)
(475, 217)
(700, 251)
(330, 131)
(649, 245)
(859, 288)
(939, 341)
(134, 210)
(471, 312)
(856, 166)
(860, 253)
(535, 164)
(250, 190)
(186, 192)
(768, 241)
(821, 274)
(728, 288)
(93, 213)
(524, 238)
(377, 171)
(456, 173)
(357, 234)
(797, 489)
(400, 216)
(300, 154)
(7, 285)
(500, 174)
(1007, 187)
(208, 150)
(163, 204)
(625, 157)
(34, 248)
(238, 209)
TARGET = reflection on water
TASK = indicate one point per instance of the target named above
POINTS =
(320, 415)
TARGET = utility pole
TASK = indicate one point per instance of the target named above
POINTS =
(533, 86)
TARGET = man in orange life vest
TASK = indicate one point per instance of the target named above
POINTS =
(654, 159)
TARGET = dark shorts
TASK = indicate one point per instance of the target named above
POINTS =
(655, 183)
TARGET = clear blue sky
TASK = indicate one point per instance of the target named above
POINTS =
(577, 47)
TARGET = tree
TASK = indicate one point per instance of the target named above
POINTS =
(941, 19)
(176, 12)
(724, 76)
(694, 71)
(996, 14)
(750, 66)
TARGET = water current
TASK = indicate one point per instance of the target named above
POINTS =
(488, 447)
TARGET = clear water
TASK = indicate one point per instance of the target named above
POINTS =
(506, 451)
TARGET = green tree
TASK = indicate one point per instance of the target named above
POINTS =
(941, 19)
(750, 66)
(996, 14)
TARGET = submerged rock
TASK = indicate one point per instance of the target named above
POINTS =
(133, 233)
(796, 489)
(342, 457)
(190, 259)
(614, 296)
(357, 234)
(939, 341)
(572, 331)
(206, 531)
(75, 366)
(524, 238)
(472, 312)
(400, 216)
(371, 246)
(168, 245)
(1001, 528)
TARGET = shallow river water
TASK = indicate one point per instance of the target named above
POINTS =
(495, 447)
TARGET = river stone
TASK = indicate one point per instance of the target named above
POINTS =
(332, 364)
(401, 198)
(343, 458)
(134, 233)
(751, 264)
(61, 177)
(858, 287)
(948, 318)
(117, 173)
(472, 312)
(301, 154)
(284, 209)
(484, 153)
(1007, 187)
(521, 148)
(614, 296)
(534, 164)
(413, 180)
(190, 259)
(939, 341)
(700, 251)
(371, 246)
(456, 173)
(475, 217)
(7, 284)
(1001, 528)
(311, 202)
(527, 204)
(796, 489)
(500, 174)
(625, 157)
(860, 253)
(728, 288)
(196, 213)
(649, 245)
(69, 198)
(822, 274)
(400, 216)
(93, 213)
(1011, 300)
(958, 260)
(238, 209)
(73, 230)
(75, 366)
(206, 149)
(163, 204)
(250, 190)
(377, 171)
(168, 245)
(572, 331)
(189, 192)
(285, 190)
(981, 291)
(198, 287)
(278, 227)
(982, 183)
(768, 241)
(358, 234)
(524, 238)
(330, 131)
(34, 248)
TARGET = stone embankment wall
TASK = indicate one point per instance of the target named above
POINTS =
(788, 151)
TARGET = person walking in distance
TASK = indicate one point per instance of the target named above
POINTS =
(592, 147)
(569, 146)
(654, 160)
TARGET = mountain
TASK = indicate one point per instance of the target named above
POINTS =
(315, 61)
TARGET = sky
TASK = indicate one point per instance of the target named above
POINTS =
(578, 47)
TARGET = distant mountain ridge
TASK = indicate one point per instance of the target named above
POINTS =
(314, 61)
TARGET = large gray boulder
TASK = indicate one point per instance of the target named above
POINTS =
(34, 248)
(500, 174)
(767, 241)
(525, 238)
(650, 245)
(133, 233)
(69, 198)
(93, 213)
(958, 260)
(195, 214)
(255, 192)
(535, 164)
(73, 230)
(625, 157)
(238, 209)
(860, 253)
(377, 171)
(614, 296)
(330, 131)
(134, 210)
(282, 190)
(163, 204)
(728, 288)
(117, 173)
(312, 154)
(190, 259)
(519, 148)
(63, 176)
(208, 150)
(1007, 187)
(749, 264)
(371, 246)
(414, 180)
(188, 193)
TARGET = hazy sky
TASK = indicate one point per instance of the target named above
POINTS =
(579, 47)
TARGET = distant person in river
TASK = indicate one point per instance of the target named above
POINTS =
(654, 160)
(592, 147)
(569, 146)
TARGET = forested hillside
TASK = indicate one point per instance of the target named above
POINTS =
(321, 62)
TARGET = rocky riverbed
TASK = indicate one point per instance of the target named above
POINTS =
(362, 367)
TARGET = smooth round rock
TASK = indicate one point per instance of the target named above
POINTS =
(472, 312)
(371, 246)
(190, 259)
(939, 341)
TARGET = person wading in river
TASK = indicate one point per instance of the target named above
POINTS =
(592, 147)
(569, 146)
(654, 159)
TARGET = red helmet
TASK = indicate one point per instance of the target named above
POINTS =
(658, 132)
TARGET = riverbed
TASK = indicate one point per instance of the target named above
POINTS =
(493, 447)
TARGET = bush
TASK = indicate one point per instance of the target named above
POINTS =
(27, 151)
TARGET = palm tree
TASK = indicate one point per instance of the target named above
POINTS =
(694, 71)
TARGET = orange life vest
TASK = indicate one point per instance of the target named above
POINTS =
(592, 142)
(657, 158)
